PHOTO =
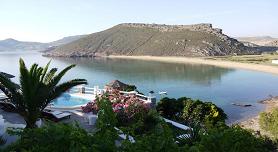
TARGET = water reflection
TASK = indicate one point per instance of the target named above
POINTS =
(152, 71)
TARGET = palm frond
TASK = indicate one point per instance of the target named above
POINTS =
(49, 76)
(33, 70)
(45, 69)
(7, 86)
(58, 90)
(59, 76)
(25, 80)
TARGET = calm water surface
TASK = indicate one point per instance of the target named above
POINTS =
(220, 85)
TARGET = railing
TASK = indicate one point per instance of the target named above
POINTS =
(178, 125)
(96, 91)
(175, 124)
(88, 90)
(148, 99)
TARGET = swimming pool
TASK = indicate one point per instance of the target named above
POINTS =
(69, 101)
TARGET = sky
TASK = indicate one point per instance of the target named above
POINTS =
(49, 20)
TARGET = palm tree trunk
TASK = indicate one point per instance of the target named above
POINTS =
(30, 123)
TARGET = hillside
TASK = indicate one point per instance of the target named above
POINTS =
(260, 43)
(155, 40)
(273, 43)
(66, 40)
(259, 40)
(15, 45)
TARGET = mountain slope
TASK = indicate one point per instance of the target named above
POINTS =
(66, 40)
(273, 43)
(259, 40)
(153, 39)
(14, 45)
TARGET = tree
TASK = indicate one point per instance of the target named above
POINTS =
(38, 87)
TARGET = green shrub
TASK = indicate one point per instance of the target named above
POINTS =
(207, 113)
(186, 110)
(159, 139)
(232, 139)
(53, 137)
(146, 124)
(269, 122)
(142, 125)
(130, 88)
(106, 135)
(131, 114)
(170, 108)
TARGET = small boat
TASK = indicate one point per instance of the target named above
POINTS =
(162, 92)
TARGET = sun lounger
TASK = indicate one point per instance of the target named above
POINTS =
(55, 115)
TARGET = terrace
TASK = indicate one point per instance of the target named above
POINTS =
(78, 113)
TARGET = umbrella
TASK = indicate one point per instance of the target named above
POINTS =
(7, 75)
(116, 84)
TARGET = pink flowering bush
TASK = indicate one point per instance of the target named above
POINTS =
(128, 108)
(131, 112)
(90, 107)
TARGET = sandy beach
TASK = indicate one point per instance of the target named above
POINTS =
(226, 64)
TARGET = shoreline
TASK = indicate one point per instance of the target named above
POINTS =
(248, 123)
(253, 122)
(195, 60)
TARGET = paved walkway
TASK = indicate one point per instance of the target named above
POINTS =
(11, 117)
(14, 118)
(78, 117)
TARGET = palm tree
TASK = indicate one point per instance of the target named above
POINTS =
(38, 87)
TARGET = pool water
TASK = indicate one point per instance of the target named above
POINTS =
(67, 101)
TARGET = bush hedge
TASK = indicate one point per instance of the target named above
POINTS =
(189, 111)
(269, 122)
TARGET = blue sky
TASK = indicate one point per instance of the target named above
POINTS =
(49, 20)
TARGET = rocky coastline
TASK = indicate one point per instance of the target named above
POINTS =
(253, 123)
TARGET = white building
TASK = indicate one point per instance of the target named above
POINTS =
(274, 62)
